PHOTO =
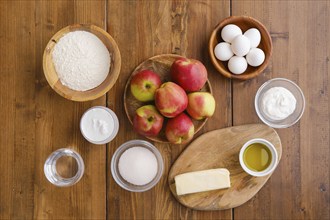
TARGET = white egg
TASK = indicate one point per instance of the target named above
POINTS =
(240, 45)
(237, 65)
(254, 36)
(223, 51)
(229, 32)
(255, 57)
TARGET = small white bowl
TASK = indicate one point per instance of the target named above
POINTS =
(297, 93)
(113, 132)
(272, 165)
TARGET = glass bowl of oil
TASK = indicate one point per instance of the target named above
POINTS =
(258, 157)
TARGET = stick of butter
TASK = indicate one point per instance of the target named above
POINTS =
(201, 181)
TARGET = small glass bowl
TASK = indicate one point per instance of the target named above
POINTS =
(121, 181)
(297, 93)
(50, 169)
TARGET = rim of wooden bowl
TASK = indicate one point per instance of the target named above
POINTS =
(207, 86)
(215, 38)
(104, 87)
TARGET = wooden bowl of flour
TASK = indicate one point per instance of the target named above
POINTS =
(74, 95)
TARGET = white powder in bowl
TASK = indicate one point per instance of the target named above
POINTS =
(81, 60)
(138, 165)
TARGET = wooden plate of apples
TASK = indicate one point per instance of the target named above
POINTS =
(168, 98)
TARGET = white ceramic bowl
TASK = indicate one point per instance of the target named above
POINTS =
(113, 132)
(115, 170)
(297, 93)
(272, 165)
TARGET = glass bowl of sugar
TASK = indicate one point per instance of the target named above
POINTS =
(137, 166)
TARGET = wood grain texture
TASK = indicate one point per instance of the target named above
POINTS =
(220, 149)
(152, 28)
(160, 64)
(299, 188)
(17, 101)
(35, 121)
(57, 124)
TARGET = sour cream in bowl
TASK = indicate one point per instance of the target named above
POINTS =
(279, 103)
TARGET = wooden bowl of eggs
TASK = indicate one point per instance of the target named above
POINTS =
(81, 62)
(240, 47)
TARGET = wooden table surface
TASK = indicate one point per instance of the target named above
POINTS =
(35, 121)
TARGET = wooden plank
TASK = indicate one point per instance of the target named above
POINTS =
(17, 92)
(143, 29)
(299, 188)
(36, 121)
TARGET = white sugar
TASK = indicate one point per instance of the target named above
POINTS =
(81, 60)
(138, 165)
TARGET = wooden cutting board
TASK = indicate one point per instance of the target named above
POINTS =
(220, 149)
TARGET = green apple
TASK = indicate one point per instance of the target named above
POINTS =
(144, 84)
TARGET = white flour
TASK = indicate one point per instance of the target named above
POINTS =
(81, 60)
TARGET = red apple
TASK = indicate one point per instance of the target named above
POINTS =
(200, 105)
(170, 99)
(179, 130)
(144, 85)
(190, 74)
(147, 121)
